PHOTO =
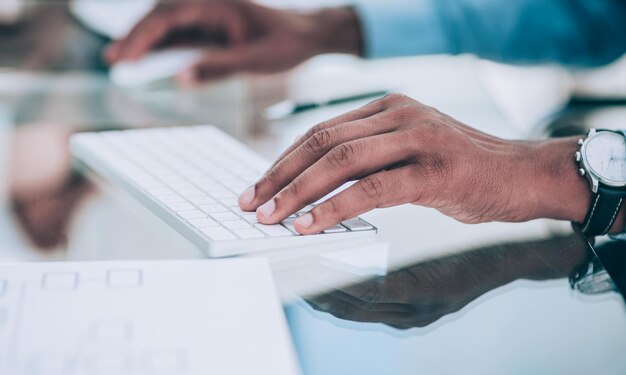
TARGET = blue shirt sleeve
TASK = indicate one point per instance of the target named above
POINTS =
(569, 32)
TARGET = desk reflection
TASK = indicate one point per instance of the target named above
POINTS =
(44, 191)
(420, 294)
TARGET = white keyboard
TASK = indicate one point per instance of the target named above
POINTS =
(191, 177)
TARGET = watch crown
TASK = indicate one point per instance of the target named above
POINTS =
(581, 141)
(577, 155)
(581, 172)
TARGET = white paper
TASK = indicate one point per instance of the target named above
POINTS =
(142, 317)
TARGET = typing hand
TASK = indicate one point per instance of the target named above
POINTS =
(402, 151)
(244, 37)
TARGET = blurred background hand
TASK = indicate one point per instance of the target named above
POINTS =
(242, 36)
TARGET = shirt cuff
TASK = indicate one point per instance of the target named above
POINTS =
(401, 28)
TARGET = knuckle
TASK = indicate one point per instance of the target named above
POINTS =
(339, 312)
(371, 293)
(271, 177)
(329, 209)
(405, 114)
(372, 187)
(294, 189)
(396, 98)
(317, 128)
(320, 141)
(343, 155)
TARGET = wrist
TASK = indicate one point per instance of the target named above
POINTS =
(558, 191)
(337, 30)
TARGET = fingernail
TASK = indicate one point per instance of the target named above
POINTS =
(247, 196)
(268, 208)
(305, 220)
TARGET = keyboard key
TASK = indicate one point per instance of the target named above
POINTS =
(203, 223)
(239, 212)
(357, 224)
(191, 193)
(289, 224)
(221, 195)
(159, 190)
(248, 233)
(274, 230)
(218, 234)
(225, 216)
(213, 208)
(169, 198)
(238, 224)
(205, 199)
(336, 229)
(192, 214)
(250, 218)
(180, 206)
(229, 202)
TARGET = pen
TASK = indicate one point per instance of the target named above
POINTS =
(289, 107)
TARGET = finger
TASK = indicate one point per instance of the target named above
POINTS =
(347, 311)
(382, 189)
(309, 152)
(366, 111)
(167, 20)
(373, 306)
(341, 164)
(144, 35)
(394, 288)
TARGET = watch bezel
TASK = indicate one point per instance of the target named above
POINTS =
(591, 173)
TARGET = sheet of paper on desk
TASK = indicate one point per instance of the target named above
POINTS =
(143, 317)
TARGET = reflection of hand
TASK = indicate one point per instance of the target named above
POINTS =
(406, 152)
(246, 37)
(421, 294)
(45, 217)
(43, 190)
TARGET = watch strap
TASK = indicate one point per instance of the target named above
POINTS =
(602, 213)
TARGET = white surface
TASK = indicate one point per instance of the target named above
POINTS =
(181, 317)
(153, 68)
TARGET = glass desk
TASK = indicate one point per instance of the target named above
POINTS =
(430, 295)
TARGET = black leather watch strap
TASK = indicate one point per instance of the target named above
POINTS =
(602, 213)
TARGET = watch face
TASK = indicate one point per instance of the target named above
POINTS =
(605, 155)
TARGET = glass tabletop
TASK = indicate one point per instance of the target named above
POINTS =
(428, 295)
(503, 308)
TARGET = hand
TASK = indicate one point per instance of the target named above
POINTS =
(245, 37)
(402, 151)
(420, 294)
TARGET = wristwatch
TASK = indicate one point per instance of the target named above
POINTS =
(592, 278)
(602, 160)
